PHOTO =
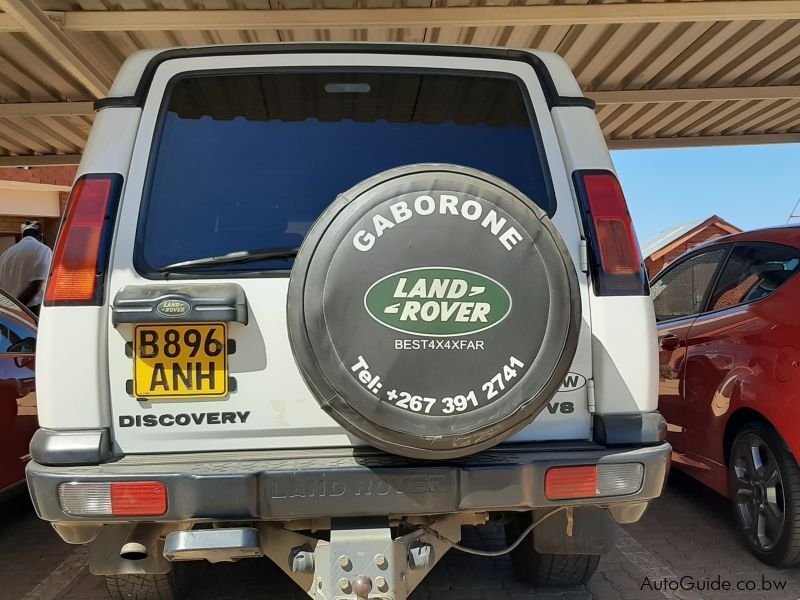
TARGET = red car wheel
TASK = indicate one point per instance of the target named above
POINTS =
(765, 490)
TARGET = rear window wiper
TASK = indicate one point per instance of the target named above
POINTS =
(242, 256)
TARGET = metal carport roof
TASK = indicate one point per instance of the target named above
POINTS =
(664, 74)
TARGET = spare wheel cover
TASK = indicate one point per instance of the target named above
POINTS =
(433, 310)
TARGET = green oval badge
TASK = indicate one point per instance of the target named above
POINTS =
(437, 301)
(173, 308)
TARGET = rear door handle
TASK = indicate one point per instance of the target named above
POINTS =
(669, 341)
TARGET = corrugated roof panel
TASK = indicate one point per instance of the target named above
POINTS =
(782, 118)
(732, 117)
(697, 111)
(666, 237)
(614, 126)
(662, 113)
(25, 140)
(770, 57)
(635, 119)
(670, 40)
(608, 57)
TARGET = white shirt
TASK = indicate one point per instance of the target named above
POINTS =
(27, 260)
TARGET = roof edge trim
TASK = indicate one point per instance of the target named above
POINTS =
(554, 99)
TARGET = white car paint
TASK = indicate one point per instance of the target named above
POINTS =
(85, 382)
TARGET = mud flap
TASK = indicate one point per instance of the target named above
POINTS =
(587, 530)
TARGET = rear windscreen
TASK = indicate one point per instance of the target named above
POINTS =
(247, 161)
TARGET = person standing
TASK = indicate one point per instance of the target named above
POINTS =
(25, 265)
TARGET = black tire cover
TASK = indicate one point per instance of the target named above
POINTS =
(433, 310)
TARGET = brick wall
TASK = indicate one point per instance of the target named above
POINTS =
(61, 175)
(13, 225)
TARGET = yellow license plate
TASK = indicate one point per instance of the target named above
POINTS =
(180, 361)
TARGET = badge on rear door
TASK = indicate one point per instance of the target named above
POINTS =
(173, 308)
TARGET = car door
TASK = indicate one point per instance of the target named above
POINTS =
(18, 420)
(729, 347)
(678, 297)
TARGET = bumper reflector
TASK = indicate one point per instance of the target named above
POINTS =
(138, 498)
(571, 482)
(128, 498)
(562, 483)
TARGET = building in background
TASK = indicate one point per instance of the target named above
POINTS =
(668, 245)
(38, 193)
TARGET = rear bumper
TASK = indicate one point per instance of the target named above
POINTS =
(319, 483)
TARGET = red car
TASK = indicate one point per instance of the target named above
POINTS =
(18, 419)
(728, 317)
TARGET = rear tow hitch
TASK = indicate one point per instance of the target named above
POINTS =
(362, 560)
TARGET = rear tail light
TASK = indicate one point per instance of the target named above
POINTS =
(119, 499)
(616, 260)
(561, 483)
(81, 255)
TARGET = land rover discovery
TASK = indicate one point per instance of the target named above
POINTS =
(327, 304)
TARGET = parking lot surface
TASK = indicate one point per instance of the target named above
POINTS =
(688, 535)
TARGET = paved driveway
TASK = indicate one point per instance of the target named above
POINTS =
(686, 534)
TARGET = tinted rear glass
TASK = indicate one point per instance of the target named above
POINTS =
(753, 272)
(247, 162)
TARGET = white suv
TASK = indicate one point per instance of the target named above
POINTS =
(327, 304)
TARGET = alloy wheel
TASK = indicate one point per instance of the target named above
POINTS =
(757, 491)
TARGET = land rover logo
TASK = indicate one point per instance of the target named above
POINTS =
(437, 301)
(173, 308)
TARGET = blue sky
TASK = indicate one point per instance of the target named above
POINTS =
(750, 186)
